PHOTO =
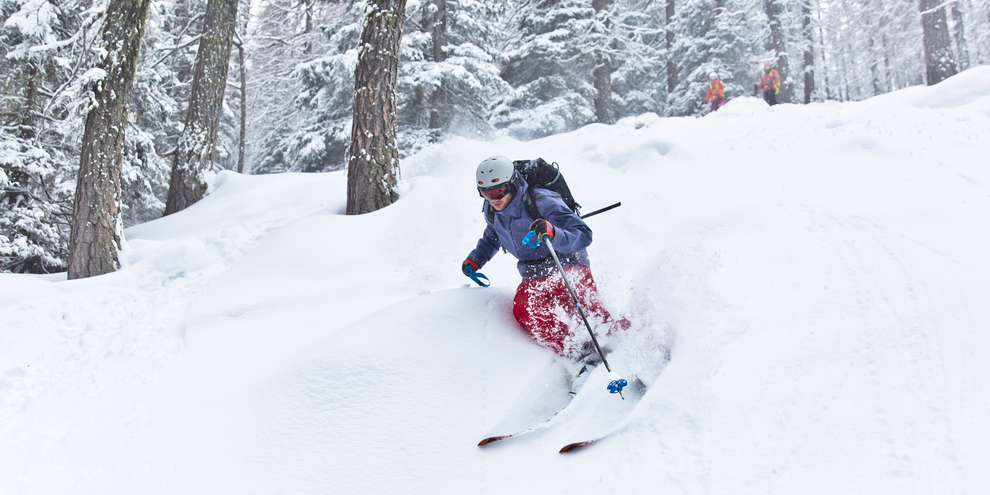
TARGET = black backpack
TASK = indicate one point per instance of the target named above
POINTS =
(541, 175)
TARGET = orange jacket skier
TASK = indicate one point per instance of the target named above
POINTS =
(769, 84)
(716, 92)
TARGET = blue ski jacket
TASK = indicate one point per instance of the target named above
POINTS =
(571, 235)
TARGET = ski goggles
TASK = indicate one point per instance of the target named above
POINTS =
(494, 193)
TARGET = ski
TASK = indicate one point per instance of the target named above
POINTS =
(591, 413)
(571, 447)
(539, 426)
(538, 406)
(557, 399)
(577, 445)
(638, 390)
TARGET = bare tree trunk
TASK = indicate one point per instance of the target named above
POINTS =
(309, 25)
(440, 100)
(671, 68)
(95, 238)
(845, 72)
(241, 145)
(821, 38)
(939, 63)
(26, 128)
(604, 109)
(883, 25)
(778, 45)
(809, 53)
(439, 31)
(875, 68)
(194, 153)
(373, 161)
(959, 33)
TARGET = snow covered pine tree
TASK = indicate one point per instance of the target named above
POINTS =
(96, 223)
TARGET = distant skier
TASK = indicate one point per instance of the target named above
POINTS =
(769, 84)
(542, 304)
(716, 92)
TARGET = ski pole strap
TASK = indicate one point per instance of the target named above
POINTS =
(602, 210)
(528, 241)
(478, 277)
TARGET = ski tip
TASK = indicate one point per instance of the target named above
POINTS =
(576, 445)
(491, 439)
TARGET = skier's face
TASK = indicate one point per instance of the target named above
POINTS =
(500, 203)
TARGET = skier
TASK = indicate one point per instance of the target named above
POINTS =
(716, 92)
(769, 84)
(542, 304)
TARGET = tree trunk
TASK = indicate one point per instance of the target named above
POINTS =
(821, 38)
(809, 53)
(373, 161)
(939, 63)
(440, 99)
(439, 34)
(241, 145)
(26, 128)
(194, 153)
(604, 109)
(671, 68)
(959, 33)
(308, 26)
(778, 45)
(875, 68)
(94, 237)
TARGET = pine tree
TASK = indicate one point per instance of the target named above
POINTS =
(959, 36)
(711, 37)
(636, 55)
(36, 169)
(96, 224)
(447, 82)
(670, 12)
(373, 160)
(197, 143)
(160, 92)
(550, 69)
(301, 94)
(807, 33)
(602, 74)
(777, 47)
(939, 62)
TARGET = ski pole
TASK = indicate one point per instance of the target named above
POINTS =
(603, 210)
(617, 383)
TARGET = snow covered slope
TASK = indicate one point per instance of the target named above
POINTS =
(820, 271)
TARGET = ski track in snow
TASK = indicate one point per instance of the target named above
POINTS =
(819, 273)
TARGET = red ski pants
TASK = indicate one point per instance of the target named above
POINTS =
(545, 309)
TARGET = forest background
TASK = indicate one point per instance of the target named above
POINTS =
(477, 69)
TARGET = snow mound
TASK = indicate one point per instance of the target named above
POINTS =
(818, 272)
(972, 85)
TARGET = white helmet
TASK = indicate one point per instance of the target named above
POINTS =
(713, 76)
(494, 171)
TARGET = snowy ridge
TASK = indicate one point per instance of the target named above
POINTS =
(819, 270)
